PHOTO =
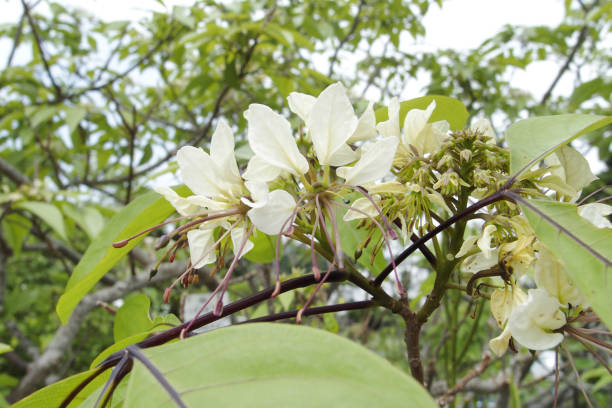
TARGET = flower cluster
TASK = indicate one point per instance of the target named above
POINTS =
(398, 180)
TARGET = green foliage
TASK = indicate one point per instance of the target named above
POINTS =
(307, 367)
(586, 253)
(531, 140)
(449, 109)
(53, 395)
(144, 212)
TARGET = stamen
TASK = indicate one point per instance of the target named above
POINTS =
(121, 244)
(324, 227)
(212, 247)
(298, 317)
(223, 284)
(384, 219)
(339, 252)
(313, 258)
(288, 221)
(230, 270)
(400, 287)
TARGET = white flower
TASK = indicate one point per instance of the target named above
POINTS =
(483, 125)
(418, 135)
(503, 302)
(218, 187)
(597, 214)
(532, 323)
(271, 139)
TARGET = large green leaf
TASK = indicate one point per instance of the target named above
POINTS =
(588, 268)
(53, 395)
(48, 213)
(531, 140)
(144, 212)
(272, 365)
(447, 108)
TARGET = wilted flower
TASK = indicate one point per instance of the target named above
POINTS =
(532, 323)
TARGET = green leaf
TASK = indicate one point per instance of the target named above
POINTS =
(120, 345)
(448, 109)
(74, 116)
(586, 254)
(531, 140)
(133, 317)
(5, 348)
(144, 212)
(272, 365)
(88, 218)
(14, 228)
(53, 395)
(48, 213)
(264, 249)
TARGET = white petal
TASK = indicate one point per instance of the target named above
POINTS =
(531, 323)
(331, 122)
(374, 163)
(197, 171)
(270, 218)
(484, 243)
(366, 127)
(467, 246)
(433, 134)
(550, 275)
(479, 262)
(499, 344)
(301, 104)
(544, 310)
(222, 153)
(259, 194)
(343, 155)
(364, 205)
(597, 214)
(238, 235)
(201, 249)
(483, 125)
(182, 204)
(209, 203)
(414, 124)
(270, 138)
(391, 127)
(259, 169)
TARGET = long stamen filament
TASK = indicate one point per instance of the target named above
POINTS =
(400, 287)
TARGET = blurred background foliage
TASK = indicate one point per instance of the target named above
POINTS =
(92, 113)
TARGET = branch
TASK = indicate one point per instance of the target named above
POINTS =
(12, 173)
(347, 37)
(364, 304)
(207, 128)
(565, 66)
(291, 284)
(461, 384)
(26, 9)
(16, 41)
